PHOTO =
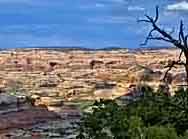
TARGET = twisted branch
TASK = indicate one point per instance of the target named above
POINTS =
(172, 65)
(165, 36)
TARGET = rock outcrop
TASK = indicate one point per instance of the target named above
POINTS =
(39, 83)
(76, 74)
(19, 118)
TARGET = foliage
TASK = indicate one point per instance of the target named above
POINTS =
(154, 115)
(160, 132)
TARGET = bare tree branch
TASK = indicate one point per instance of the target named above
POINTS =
(166, 36)
(171, 65)
(147, 38)
(185, 41)
(157, 14)
(181, 42)
(181, 33)
(182, 37)
(180, 55)
(149, 18)
(143, 20)
(158, 38)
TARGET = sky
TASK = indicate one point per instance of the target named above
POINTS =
(85, 23)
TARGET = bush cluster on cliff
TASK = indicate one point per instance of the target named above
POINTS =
(152, 116)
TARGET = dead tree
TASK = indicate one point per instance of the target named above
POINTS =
(180, 42)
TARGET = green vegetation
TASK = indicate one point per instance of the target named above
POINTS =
(16, 88)
(152, 116)
(82, 105)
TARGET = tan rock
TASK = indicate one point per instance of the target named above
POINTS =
(104, 93)
(76, 73)
(179, 78)
(51, 101)
(25, 118)
(34, 96)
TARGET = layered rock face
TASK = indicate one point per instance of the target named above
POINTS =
(36, 85)
(19, 118)
(83, 75)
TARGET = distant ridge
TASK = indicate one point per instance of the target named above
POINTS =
(80, 48)
(64, 48)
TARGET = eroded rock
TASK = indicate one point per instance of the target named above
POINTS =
(6, 99)
(50, 101)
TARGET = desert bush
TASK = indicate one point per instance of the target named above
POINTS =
(153, 116)
(160, 132)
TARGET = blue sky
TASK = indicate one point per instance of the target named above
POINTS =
(87, 23)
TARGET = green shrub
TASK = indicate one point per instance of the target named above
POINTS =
(152, 116)
(160, 132)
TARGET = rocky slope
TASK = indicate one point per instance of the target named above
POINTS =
(19, 118)
(51, 78)
(82, 74)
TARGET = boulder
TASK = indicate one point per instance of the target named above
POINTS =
(35, 96)
(50, 101)
(112, 64)
(73, 84)
(144, 75)
(47, 83)
(96, 64)
(105, 85)
(148, 75)
(25, 118)
(104, 93)
(179, 78)
(6, 99)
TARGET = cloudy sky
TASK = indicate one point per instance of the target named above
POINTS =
(87, 23)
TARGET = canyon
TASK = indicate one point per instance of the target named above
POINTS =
(40, 88)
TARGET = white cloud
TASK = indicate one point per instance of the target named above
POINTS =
(100, 5)
(93, 6)
(178, 6)
(111, 20)
(135, 8)
(117, 1)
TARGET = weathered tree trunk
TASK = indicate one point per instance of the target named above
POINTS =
(186, 70)
(186, 67)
